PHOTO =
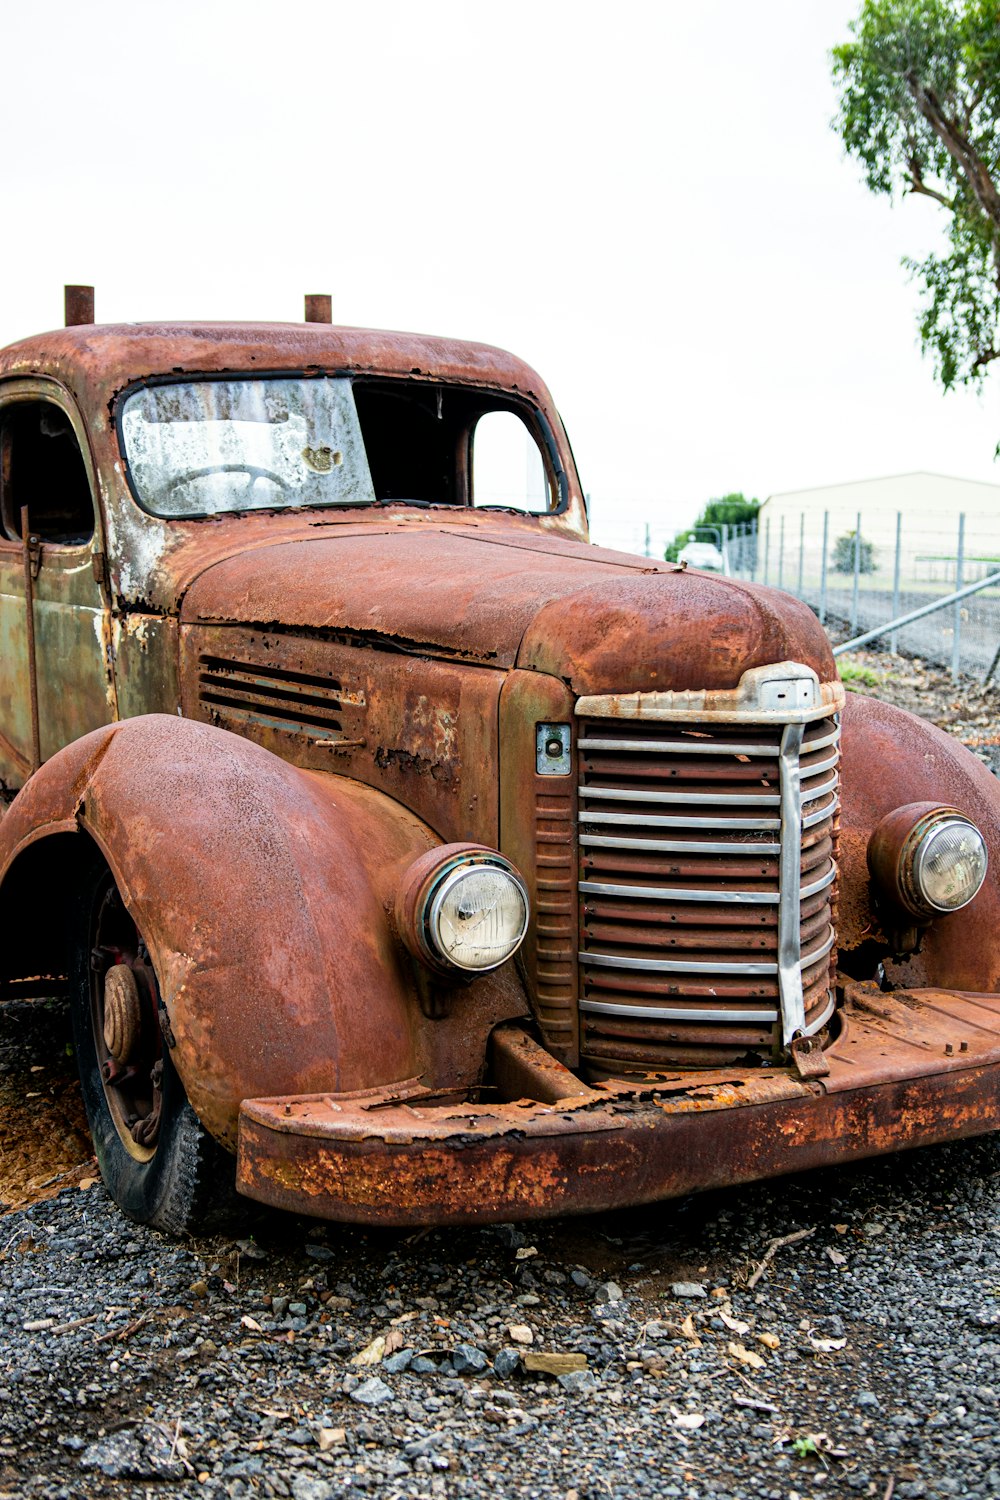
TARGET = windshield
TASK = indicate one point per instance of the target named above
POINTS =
(229, 445)
(207, 447)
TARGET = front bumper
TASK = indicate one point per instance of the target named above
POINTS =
(907, 1069)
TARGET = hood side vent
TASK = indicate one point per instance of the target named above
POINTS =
(237, 694)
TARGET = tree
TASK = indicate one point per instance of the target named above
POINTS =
(843, 554)
(920, 109)
(728, 510)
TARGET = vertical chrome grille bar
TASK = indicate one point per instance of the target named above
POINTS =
(793, 1015)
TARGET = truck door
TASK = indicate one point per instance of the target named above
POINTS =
(45, 465)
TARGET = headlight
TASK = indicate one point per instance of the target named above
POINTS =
(463, 907)
(928, 859)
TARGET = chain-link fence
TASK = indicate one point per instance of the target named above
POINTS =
(877, 570)
(867, 571)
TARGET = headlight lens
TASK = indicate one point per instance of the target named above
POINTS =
(949, 864)
(477, 916)
(927, 859)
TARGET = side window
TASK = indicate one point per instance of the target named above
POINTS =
(41, 466)
(507, 464)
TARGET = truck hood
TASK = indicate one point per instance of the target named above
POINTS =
(601, 620)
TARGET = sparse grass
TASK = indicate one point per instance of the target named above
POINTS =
(853, 675)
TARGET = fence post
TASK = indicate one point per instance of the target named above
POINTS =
(767, 547)
(857, 575)
(956, 640)
(895, 578)
(648, 553)
(822, 568)
(754, 538)
(781, 552)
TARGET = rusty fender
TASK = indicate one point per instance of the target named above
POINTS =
(890, 758)
(262, 892)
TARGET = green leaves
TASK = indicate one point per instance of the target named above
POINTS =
(920, 110)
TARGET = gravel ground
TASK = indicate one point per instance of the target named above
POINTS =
(313, 1361)
(964, 708)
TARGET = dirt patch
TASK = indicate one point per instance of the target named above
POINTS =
(44, 1142)
(963, 707)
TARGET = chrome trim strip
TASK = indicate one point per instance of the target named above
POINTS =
(665, 1013)
(824, 812)
(711, 898)
(818, 791)
(676, 846)
(821, 741)
(675, 747)
(815, 954)
(669, 1013)
(681, 966)
(724, 825)
(653, 820)
(825, 765)
(711, 799)
(673, 965)
(793, 1014)
(818, 1025)
(680, 893)
(819, 885)
(707, 747)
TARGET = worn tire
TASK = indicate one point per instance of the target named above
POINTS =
(187, 1183)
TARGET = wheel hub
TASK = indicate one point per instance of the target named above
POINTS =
(122, 1012)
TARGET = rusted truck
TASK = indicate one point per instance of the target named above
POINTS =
(409, 859)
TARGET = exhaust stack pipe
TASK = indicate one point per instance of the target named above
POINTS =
(78, 304)
(319, 307)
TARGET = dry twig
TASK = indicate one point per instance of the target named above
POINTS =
(772, 1250)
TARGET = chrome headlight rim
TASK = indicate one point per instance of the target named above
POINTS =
(426, 885)
(919, 851)
(458, 871)
(900, 847)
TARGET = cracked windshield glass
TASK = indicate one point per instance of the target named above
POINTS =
(212, 446)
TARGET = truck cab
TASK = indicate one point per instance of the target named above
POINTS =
(410, 859)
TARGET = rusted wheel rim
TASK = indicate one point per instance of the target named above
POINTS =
(124, 1013)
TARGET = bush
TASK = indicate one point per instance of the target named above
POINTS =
(843, 554)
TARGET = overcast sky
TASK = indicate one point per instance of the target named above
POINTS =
(646, 202)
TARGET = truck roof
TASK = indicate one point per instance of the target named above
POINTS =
(97, 360)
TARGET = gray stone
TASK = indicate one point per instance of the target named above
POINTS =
(506, 1362)
(468, 1360)
(140, 1453)
(373, 1392)
(688, 1289)
(422, 1447)
(608, 1291)
(308, 1487)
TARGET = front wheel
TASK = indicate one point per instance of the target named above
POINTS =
(158, 1162)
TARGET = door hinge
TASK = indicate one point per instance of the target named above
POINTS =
(34, 554)
(99, 563)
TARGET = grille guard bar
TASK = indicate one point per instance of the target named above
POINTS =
(907, 1069)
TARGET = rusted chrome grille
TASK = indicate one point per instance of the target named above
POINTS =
(244, 694)
(707, 887)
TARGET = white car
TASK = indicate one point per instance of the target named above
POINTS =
(704, 555)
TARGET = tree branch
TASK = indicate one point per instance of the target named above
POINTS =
(918, 185)
(959, 148)
(985, 358)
